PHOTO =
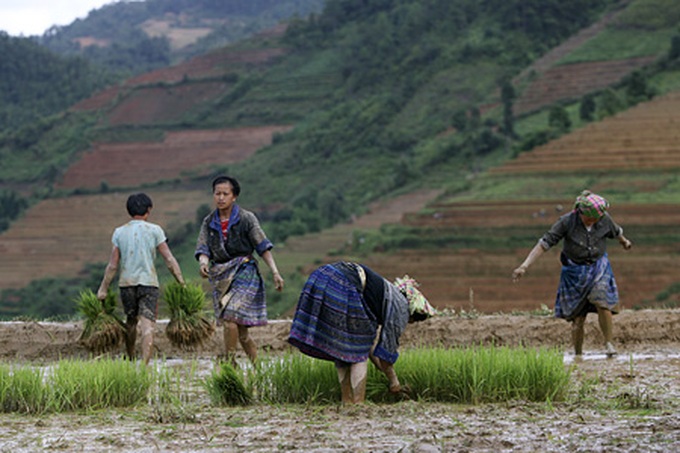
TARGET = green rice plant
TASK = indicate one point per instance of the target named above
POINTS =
(226, 387)
(103, 330)
(5, 385)
(91, 385)
(173, 393)
(296, 378)
(188, 326)
(476, 375)
(24, 391)
(469, 376)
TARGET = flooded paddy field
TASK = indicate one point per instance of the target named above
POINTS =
(629, 403)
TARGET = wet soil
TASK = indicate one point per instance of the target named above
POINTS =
(628, 403)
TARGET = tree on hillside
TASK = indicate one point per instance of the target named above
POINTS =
(558, 119)
(508, 96)
(11, 205)
(674, 51)
(637, 89)
(610, 103)
(587, 108)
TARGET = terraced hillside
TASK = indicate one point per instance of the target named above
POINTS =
(637, 150)
(180, 153)
(571, 81)
(646, 137)
(547, 81)
(207, 68)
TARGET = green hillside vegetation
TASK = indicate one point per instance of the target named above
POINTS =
(125, 46)
(636, 32)
(386, 98)
(35, 83)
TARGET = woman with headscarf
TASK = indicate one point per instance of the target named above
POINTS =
(587, 283)
(341, 308)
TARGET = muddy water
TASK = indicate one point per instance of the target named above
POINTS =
(629, 403)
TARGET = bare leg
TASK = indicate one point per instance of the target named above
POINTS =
(604, 316)
(353, 382)
(247, 343)
(358, 372)
(345, 383)
(147, 327)
(131, 336)
(230, 333)
(577, 334)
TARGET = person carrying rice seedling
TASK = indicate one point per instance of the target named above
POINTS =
(224, 249)
(134, 250)
(340, 310)
(587, 282)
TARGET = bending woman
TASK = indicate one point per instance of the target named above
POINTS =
(340, 310)
(228, 237)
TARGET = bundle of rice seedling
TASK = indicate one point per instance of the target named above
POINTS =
(226, 387)
(103, 330)
(188, 326)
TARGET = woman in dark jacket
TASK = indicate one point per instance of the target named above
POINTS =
(228, 237)
(340, 310)
(587, 282)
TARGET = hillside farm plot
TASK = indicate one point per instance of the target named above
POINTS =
(213, 64)
(574, 80)
(158, 105)
(180, 153)
(58, 237)
(645, 137)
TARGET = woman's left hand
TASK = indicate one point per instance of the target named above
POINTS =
(278, 281)
(626, 244)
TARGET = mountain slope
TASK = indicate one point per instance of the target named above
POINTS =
(134, 37)
(371, 119)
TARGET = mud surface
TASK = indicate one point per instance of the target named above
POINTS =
(629, 403)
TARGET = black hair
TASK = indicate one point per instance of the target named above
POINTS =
(235, 186)
(138, 204)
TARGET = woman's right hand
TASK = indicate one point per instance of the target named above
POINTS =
(204, 266)
(518, 273)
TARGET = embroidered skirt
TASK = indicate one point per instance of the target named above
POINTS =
(583, 288)
(331, 321)
(238, 292)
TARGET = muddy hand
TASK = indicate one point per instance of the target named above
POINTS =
(278, 282)
(518, 273)
(402, 392)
